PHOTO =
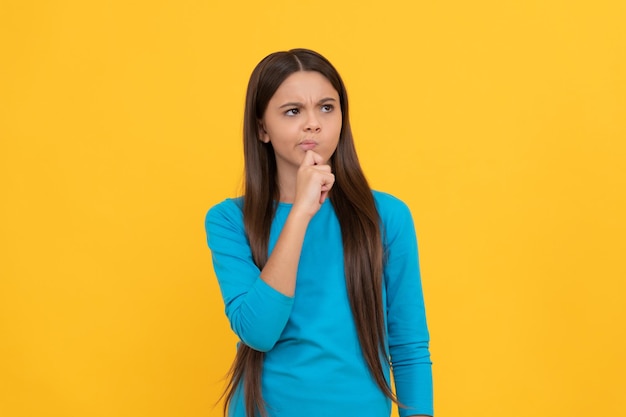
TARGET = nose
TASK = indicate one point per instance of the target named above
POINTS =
(312, 123)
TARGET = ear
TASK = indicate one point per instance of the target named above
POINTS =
(263, 136)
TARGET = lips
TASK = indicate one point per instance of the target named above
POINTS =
(307, 145)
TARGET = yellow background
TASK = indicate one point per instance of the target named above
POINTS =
(502, 124)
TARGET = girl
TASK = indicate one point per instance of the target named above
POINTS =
(319, 274)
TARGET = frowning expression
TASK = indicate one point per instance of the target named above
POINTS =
(303, 114)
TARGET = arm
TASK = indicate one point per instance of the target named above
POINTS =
(313, 182)
(407, 328)
(257, 313)
(258, 303)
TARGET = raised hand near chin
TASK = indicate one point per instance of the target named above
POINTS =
(314, 181)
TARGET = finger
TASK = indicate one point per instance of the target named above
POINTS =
(323, 168)
(323, 196)
(329, 180)
(317, 158)
(309, 159)
(328, 183)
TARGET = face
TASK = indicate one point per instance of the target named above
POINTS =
(303, 114)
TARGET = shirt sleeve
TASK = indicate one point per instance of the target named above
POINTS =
(408, 335)
(257, 312)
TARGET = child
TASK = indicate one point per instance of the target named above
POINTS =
(319, 274)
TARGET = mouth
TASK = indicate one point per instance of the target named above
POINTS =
(307, 145)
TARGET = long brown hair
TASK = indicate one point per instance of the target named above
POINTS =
(354, 205)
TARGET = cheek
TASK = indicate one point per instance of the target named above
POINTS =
(337, 126)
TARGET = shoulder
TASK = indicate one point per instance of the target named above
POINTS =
(395, 217)
(389, 205)
(228, 211)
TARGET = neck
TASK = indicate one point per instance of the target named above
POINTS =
(287, 186)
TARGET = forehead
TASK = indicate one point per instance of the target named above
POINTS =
(305, 85)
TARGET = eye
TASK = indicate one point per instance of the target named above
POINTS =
(327, 108)
(292, 112)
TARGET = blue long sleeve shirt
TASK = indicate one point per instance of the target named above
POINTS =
(313, 362)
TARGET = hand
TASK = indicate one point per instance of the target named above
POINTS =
(314, 181)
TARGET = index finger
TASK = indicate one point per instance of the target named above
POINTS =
(312, 158)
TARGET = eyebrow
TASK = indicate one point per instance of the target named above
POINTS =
(297, 104)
